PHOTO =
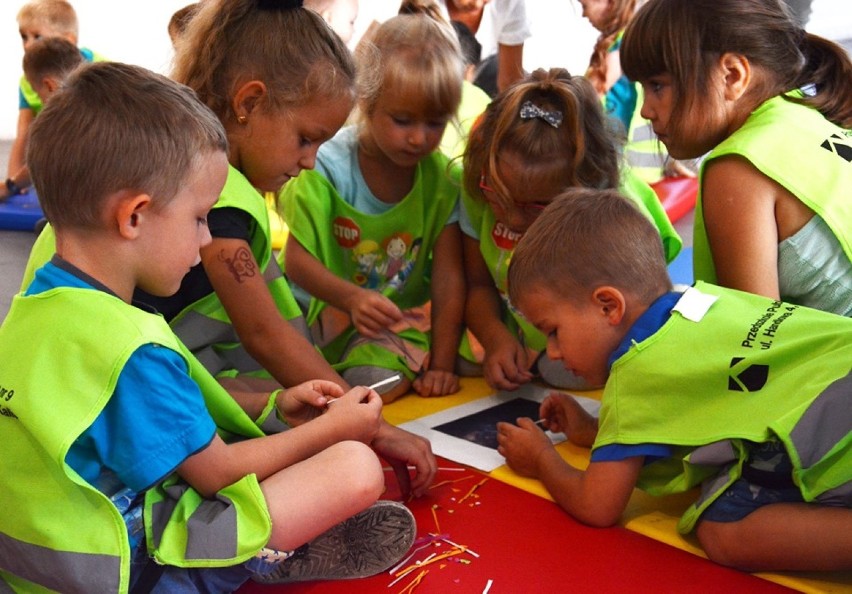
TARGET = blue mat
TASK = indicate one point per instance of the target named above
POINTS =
(20, 212)
(680, 270)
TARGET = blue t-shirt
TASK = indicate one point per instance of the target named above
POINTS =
(647, 324)
(155, 419)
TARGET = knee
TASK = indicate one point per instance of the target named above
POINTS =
(361, 473)
(723, 542)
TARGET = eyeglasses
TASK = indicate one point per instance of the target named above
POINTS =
(527, 209)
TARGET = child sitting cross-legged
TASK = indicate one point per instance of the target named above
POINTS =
(759, 416)
(126, 463)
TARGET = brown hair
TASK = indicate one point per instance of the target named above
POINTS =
(411, 51)
(114, 127)
(621, 11)
(684, 38)
(581, 151)
(289, 48)
(58, 15)
(50, 57)
(430, 8)
(180, 19)
(589, 238)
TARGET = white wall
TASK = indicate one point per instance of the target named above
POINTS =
(123, 30)
(135, 32)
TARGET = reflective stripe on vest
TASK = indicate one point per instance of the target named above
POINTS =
(63, 571)
(215, 342)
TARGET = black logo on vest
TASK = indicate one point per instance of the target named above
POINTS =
(840, 146)
(748, 378)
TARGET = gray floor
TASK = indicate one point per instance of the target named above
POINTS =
(14, 249)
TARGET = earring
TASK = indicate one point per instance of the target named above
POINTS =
(242, 119)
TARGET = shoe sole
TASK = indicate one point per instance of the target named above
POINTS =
(366, 544)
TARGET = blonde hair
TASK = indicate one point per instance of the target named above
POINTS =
(289, 48)
(589, 238)
(58, 15)
(114, 127)
(581, 151)
(415, 53)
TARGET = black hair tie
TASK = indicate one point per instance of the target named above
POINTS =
(279, 4)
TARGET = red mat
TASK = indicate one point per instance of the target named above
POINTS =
(677, 194)
(527, 544)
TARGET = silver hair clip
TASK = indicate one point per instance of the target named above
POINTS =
(530, 110)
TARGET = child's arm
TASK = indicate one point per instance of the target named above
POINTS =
(371, 312)
(505, 366)
(18, 152)
(510, 65)
(447, 316)
(746, 215)
(279, 347)
(354, 416)
(596, 496)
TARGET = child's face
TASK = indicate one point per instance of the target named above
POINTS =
(272, 148)
(177, 232)
(404, 128)
(578, 332)
(33, 32)
(693, 134)
(596, 11)
(527, 194)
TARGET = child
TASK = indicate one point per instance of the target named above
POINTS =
(235, 310)
(760, 416)
(621, 96)
(473, 99)
(544, 134)
(37, 19)
(114, 466)
(773, 106)
(339, 14)
(381, 188)
(47, 62)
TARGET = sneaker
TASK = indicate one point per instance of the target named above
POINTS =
(366, 544)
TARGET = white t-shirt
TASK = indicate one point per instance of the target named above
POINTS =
(503, 22)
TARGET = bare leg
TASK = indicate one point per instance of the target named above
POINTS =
(310, 497)
(782, 536)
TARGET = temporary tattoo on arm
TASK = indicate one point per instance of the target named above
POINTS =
(241, 265)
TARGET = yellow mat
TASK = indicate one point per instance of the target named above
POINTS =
(655, 517)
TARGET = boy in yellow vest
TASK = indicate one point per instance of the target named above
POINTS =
(37, 19)
(127, 464)
(750, 398)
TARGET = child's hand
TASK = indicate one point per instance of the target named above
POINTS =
(358, 414)
(523, 446)
(434, 382)
(372, 312)
(563, 414)
(506, 367)
(306, 401)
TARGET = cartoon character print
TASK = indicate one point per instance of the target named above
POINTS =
(395, 247)
(367, 255)
(397, 282)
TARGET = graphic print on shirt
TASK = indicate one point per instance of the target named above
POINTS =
(384, 264)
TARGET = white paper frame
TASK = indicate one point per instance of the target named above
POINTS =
(472, 454)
